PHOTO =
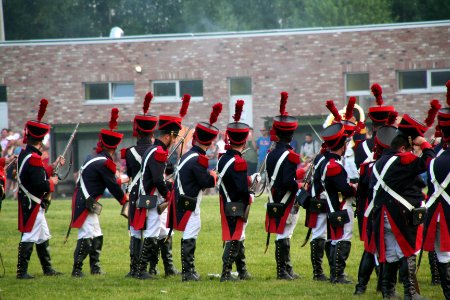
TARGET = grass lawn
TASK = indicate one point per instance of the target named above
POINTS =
(115, 262)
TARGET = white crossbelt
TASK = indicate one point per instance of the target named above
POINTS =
(313, 190)
(439, 188)
(385, 187)
(221, 174)
(324, 174)
(137, 177)
(80, 175)
(177, 175)
(141, 183)
(274, 176)
(22, 187)
(367, 151)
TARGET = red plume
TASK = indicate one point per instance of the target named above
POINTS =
(42, 109)
(148, 98)
(185, 105)
(349, 110)
(332, 108)
(377, 91)
(391, 118)
(283, 102)
(238, 110)
(448, 92)
(216, 110)
(435, 106)
(114, 117)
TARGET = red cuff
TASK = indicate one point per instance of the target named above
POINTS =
(119, 181)
(2, 162)
(52, 186)
(123, 200)
(249, 180)
(49, 170)
(425, 145)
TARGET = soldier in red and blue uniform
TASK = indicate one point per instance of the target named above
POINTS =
(364, 159)
(4, 162)
(378, 115)
(35, 181)
(96, 174)
(282, 215)
(152, 221)
(143, 127)
(437, 227)
(338, 192)
(192, 177)
(397, 191)
(235, 197)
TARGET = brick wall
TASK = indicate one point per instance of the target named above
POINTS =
(310, 66)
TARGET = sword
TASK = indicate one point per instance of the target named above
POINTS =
(308, 234)
(267, 242)
(315, 132)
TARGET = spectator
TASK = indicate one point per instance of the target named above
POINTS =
(294, 145)
(262, 145)
(220, 144)
(4, 141)
(309, 149)
(212, 154)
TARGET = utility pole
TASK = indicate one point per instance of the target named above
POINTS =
(2, 28)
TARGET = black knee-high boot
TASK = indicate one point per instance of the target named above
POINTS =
(444, 272)
(341, 254)
(280, 257)
(25, 250)
(366, 266)
(149, 249)
(94, 255)
(317, 250)
(166, 254)
(81, 252)
(241, 265)
(135, 249)
(432, 259)
(43, 252)
(187, 260)
(408, 275)
(289, 267)
(389, 280)
(230, 253)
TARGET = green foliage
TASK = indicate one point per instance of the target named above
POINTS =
(39, 19)
(115, 262)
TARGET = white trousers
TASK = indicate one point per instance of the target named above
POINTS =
(289, 227)
(40, 232)
(91, 227)
(194, 223)
(393, 251)
(152, 231)
(320, 231)
(348, 228)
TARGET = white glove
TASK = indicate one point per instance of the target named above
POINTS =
(255, 177)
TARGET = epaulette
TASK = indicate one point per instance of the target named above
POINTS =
(406, 157)
(2, 162)
(123, 153)
(333, 168)
(240, 164)
(293, 157)
(160, 154)
(36, 160)
(203, 160)
(110, 165)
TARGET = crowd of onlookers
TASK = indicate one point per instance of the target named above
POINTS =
(11, 144)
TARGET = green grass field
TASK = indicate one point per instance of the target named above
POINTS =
(115, 262)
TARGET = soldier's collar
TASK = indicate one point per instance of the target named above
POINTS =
(34, 149)
(198, 149)
(158, 142)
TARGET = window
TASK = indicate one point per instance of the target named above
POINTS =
(240, 86)
(3, 97)
(172, 91)
(357, 84)
(109, 91)
(422, 81)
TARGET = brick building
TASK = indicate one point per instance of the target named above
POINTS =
(84, 78)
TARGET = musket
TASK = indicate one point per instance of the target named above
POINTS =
(261, 169)
(10, 163)
(181, 141)
(69, 144)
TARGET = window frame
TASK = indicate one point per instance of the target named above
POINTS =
(428, 89)
(358, 92)
(111, 99)
(177, 97)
